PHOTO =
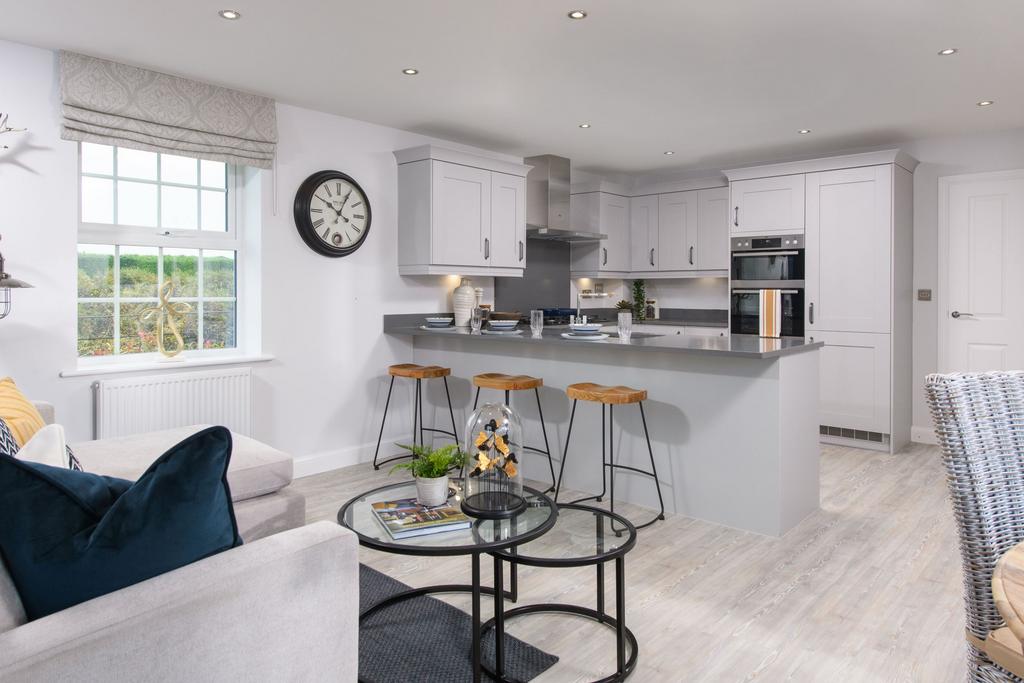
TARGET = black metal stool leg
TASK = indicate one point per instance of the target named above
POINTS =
(382, 420)
(654, 468)
(415, 411)
(611, 457)
(604, 467)
(419, 397)
(508, 398)
(547, 446)
(477, 399)
(455, 430)
(565, 452)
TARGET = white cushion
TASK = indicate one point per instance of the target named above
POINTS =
(256, 469)
(47, 446)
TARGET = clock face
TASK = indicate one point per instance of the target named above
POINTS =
(332, 213)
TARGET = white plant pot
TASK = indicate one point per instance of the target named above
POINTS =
(432, 492)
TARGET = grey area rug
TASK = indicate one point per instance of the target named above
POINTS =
(425, 640)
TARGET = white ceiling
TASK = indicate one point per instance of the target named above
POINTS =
(720, 82)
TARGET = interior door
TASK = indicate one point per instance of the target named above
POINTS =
(508, 221)
(643, 228)
(713, 229)
(615, 223)
(984, 303)
(677, 229)
(461, 215)
(848, 257)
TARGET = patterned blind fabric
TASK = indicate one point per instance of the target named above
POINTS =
(114, 104)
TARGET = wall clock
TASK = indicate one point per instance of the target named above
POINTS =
(332, 213)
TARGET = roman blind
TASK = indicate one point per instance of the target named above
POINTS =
(114, 104)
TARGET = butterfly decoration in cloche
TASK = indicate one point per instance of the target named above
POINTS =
(492, 451)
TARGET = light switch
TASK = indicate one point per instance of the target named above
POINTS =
(924, 295)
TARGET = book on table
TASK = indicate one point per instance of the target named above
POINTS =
(406, 518)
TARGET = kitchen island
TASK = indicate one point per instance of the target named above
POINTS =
(733, 420)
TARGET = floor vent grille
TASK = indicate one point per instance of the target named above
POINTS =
(855, 434)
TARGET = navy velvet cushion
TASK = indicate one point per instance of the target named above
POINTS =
(71, 536)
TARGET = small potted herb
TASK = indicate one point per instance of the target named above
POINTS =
(430, 467)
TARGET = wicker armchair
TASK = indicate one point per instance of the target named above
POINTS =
(979, 422)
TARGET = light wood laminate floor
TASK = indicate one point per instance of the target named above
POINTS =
(866, 589)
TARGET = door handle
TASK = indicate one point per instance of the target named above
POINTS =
(652, 257)
(691, 254)
(487, 248)
(604, 256)
(520, 250)
(811, 313)
(958, 314)
(736, 216)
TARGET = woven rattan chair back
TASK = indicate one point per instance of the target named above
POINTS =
(979, 423)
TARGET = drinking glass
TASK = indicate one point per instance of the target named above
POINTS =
(476, 319)
(537, 322)
(625, 325)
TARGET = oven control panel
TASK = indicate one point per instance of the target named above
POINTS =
(772, 242)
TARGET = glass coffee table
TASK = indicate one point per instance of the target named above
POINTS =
(583, 536)
(483, 536)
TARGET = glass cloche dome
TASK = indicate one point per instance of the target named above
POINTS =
(492, 479)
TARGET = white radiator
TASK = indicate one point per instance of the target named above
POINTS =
(143, 404)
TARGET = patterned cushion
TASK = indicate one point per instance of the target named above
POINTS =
(73, 463)
(8, 444)
(22, 417)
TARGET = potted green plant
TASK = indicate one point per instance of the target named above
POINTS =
(430, 467)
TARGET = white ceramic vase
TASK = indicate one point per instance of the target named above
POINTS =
(463, 302)
(432, 492)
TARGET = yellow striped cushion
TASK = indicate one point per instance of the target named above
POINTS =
(18, 412)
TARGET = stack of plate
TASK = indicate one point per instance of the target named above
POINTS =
(437, 323)
(503, 327)
(588, 332)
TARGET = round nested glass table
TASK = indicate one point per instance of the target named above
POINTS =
(483, 536)
(582, 536)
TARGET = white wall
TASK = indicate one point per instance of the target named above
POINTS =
(321, 398)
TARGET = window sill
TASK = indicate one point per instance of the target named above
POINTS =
(148, 366)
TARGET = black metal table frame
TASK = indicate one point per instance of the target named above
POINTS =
(474, 588)
(623, 635)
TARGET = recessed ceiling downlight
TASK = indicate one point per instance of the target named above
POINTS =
(804, 131)
(986, 103)
(410, 71)
(668, 152)
(584, 125)
(230, 14)
(948, 51)
(577, 14)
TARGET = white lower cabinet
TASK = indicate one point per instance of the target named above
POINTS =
(697, 331)
(855, 381)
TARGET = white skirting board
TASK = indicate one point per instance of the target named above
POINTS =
(923, 435)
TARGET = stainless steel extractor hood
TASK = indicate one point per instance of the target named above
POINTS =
(547, 201)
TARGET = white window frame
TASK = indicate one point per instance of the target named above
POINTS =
(111, 234)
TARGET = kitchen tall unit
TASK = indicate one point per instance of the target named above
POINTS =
(858, 222)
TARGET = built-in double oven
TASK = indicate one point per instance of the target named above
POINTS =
(774, 266)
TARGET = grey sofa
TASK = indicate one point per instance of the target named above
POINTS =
(258, 475)
(283, 606)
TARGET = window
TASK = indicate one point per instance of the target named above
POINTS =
(147, 219)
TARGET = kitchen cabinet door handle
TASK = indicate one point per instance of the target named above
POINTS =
(811, 313)
(691, 255)
(520, 250)
(652, 257)
(736, 216)
(487, 248)
(604, 256)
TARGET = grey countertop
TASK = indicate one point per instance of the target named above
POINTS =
(738, 346)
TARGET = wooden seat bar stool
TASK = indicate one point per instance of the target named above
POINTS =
(508, 384)
(418, 373)
(609, 397)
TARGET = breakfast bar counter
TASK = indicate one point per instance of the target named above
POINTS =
(733, 420)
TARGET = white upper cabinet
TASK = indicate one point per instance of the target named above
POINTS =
(461, 225)
(713, 229)
(849, 250)
(643, 232)
(677, 231)
(608, 214)
(508, 221)
(763, 206)
(460, 214)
